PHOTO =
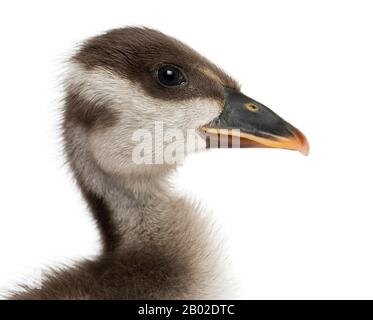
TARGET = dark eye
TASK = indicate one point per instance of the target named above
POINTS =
(170, 76)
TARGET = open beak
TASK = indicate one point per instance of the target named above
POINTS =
(245, 122)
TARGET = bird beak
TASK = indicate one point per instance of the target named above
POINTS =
(245, 122)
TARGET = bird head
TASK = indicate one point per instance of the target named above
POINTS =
(135, 96)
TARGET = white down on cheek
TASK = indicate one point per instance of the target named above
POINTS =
(168, 124)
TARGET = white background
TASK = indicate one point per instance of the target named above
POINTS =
(296, 227)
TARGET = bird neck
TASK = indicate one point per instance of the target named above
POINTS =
(132, 210)
(142, 219)
(141, 210)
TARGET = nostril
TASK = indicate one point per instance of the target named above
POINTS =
(251, 107)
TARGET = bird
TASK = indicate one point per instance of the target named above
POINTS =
(120, 86)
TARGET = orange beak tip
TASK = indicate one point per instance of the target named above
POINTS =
(305, 150)
(302, 142)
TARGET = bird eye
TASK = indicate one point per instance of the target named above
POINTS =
(170, 76)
